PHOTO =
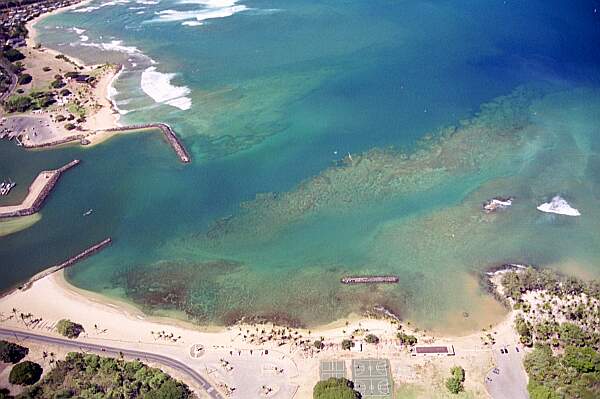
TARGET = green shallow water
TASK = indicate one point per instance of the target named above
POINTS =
(271, 213)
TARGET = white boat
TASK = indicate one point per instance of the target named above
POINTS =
(88, 212)
(6, 186)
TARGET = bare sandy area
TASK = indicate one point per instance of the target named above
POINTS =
(14, 225)
(120, 324)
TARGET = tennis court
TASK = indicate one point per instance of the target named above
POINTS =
(332, 369)
(372, 378)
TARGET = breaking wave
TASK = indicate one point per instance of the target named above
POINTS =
(158, 86)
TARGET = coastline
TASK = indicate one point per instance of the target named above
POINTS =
(116, 322)
(106, 117)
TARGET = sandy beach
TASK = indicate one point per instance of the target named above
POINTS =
(120, 324)
(100, 114)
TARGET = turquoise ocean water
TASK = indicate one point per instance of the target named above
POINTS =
(329, 138)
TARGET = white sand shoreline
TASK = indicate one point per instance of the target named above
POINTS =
(120, 324)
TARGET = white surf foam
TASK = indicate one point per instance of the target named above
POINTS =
(84, 38)
(559, 206)
(79, 31)
(101, 5)
(191, 23)
(158, 86)
(114, 45)
(147, 2)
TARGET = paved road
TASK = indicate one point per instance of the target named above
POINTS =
(508, 380)
(13, 78)
(103, 349)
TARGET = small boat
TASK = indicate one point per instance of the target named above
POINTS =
(88, 212)
(6, 186)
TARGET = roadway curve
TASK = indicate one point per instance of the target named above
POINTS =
(167, 361)
(13, 78)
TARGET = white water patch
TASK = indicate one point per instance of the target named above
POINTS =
(559, 206)
(158, 86)
(79, 31)
(136, 8)
(114, 45)
(84, 38)
(191, 23)
(147, 2)
(140, 12)
(101, 5)
(211, 9)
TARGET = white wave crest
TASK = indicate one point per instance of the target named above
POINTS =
(559, 206)
(114, 45)
(101, 5)
(191, 23)
(158, 86)
(79, 31)
(147, 2)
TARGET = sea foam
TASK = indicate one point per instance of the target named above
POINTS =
(158, 86)
(559, 206)
(211, 9)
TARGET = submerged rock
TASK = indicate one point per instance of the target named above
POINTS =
(559, 206)
(492, 205)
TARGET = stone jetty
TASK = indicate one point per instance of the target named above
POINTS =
(167, 131)
(38, 192)
(370, 280)
(69, 262)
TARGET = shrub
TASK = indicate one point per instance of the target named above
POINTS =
(346, 344)
(11, 352)
(46, 69)
(57, 84)
(60, 118)
(24, 79)
(372, 339)
(13, 55)
(69, 126)
(67, 327)
(25, 373)
(18, 104)
(318, 344)
(335, 388)
(455, 383)
(407, 339)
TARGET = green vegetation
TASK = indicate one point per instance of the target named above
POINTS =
(406, 339)
(372, 339)
(35, 100)
(455, 382)
(18, 103)
(69, 329)
(91, 376)
(69, 126)
(76, 109)
(346, 344)
(565, 362)
(335, 388)
(318, 344)
(25, 373)
(25, 78)
(13, 55)
(12, 353)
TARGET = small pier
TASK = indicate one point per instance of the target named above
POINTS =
(69, 262)
(370, 280)
(167, 131)
(38, 192)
